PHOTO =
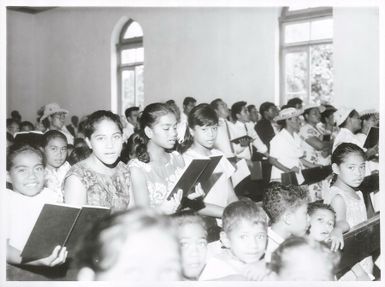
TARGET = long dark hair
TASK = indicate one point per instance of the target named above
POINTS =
(148, 118)
(201, 115)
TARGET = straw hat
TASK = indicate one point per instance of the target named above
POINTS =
(341, 115)
(288, 113)
(321, 108)
(50, 109)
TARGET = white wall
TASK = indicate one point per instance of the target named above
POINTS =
(204, 53)
(356, 55)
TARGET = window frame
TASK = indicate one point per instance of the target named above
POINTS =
(126, 44)
(299, 16)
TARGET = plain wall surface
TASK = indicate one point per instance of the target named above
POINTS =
(200, 52)
(356, 56)
(64, 55)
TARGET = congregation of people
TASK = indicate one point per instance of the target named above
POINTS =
(243, 228)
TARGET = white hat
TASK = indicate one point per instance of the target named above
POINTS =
(341, 115)
(321, 108)
(288, 113)
(50, 109)
(368, 112)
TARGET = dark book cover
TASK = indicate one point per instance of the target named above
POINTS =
(372, 138)
(256, 170)
(207, 179)
(316, 174)
(189, 177)
(238, 140)
(55, 226)
(34, 138)
(289, 178)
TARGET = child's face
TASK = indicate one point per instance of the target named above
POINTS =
(57, 120)
(299, 220)
(193, 245)
(303, 263)
(106, 141)
(243, 116)
(149, 255)
(164, 133)
(27, 173)
(352, 170)
(247, 241)
(56, 152)
(321, 224)
(205, 136)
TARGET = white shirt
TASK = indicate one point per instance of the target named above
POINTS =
(274, 240)
(239, 129)
(128, 130)
(287, 149)
(54, 179)
(345, 136)
(222, 141)
(23, 212)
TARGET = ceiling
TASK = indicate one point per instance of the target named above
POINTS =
(29, 9)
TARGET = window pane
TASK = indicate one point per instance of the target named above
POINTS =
(130, 56)
(128, 89)
(321, 76)
(322, 29)
(139, 91)
(298, 32)
(296, 74)
(134, 30)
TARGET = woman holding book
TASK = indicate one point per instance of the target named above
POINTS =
(156, 168)
(101, 179)
(286, 151)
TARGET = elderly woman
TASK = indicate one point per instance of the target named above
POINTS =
(286, 151)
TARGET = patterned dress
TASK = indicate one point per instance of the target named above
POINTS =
(160, 178)
(104, 190)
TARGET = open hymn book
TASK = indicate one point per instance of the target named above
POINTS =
(60, 224)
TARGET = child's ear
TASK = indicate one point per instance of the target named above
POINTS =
(86, 274)
(287, 217)
(88, 143)
(335, 168)
(224, 239)
(148, 132)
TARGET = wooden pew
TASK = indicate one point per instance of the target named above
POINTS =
(361, 241)
(371, 183)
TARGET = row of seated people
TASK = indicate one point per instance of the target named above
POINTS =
(101, 179)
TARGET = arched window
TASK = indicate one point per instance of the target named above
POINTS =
(130, 66)
(306, 54)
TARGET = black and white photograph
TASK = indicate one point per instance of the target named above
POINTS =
(160, 142)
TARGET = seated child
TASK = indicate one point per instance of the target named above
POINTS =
(192, 235)
(303, 259)
(134, 245)
(25, 166)
(55, 150)
(244, 238)
(286, 206)
(322, 220)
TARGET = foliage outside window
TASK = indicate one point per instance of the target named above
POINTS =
(306, 36)
(130, 66)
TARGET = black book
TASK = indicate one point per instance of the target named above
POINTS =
(60, 225)
(289, 178)
(316, 174)
(372, 138)
(207, 179)
(34, 138)
(238, 140)
(189, 177)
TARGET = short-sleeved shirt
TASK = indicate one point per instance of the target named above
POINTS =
(54, 179)
(23, 212)
(274, 240)
(104, 190)
(311, 154)
(287, 149)
(160, 179)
